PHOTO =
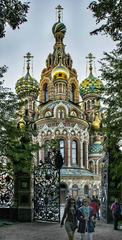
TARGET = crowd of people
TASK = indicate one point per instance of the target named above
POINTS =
(81, 214)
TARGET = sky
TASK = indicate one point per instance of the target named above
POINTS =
(36, 36)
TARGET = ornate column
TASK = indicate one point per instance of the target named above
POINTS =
(69, 155)
(81, 154)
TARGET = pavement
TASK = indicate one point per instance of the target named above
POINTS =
(53, 231)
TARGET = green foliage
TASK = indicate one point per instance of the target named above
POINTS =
(13, 13)
(8, 108)
(108, 14)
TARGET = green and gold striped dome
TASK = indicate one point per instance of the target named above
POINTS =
(27, 85)
(58, 27)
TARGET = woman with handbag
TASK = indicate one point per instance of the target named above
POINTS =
(70, 218)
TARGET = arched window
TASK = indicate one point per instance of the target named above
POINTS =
(84, 154)
(93, 103)
(72, 93)
(61, 113)
(86, 189)
(75, 190)
(62, 148)
(60, 87)
(45, 93)
(46, 150)
(74, 152)
(88, 104)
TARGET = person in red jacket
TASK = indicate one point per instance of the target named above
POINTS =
(95, 207)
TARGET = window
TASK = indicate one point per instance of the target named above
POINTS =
(84, 154)
(46, 93)
(62, 147)
(72, 93)
(61, 113)
(86, 189)
(88, 104)
(74, 152)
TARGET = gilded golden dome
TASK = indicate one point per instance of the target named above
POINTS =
(60, 72)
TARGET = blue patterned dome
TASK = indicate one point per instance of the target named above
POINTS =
(91, 84)
(96, 148)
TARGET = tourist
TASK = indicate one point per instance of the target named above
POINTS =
(98, 207)
(93, 203)
(85, 215)
(70, 218)
(116, 212)
(78, 202)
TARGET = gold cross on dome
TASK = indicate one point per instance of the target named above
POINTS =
(59, 11)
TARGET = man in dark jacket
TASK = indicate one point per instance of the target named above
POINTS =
(116, 212)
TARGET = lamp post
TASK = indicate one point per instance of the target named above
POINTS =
(58, 165)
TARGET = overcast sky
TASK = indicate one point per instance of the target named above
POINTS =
(36, 37)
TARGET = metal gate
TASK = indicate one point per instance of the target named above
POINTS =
(47, 192)
(6, 189)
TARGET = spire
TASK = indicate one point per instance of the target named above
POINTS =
(28, 58)
(90, 59)
(59, 13)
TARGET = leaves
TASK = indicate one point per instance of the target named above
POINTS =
(13, 13)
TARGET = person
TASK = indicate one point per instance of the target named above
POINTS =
(79, 202)
(98, 207)
(116, 212)
(85, 216)
(70, 218)
(94, 205)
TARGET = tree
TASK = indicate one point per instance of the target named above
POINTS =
(13, 13)
(108, 14)
(8, 108)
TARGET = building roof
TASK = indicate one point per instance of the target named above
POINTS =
(76, 172)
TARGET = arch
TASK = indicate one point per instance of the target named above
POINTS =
(63, 192)
(61, 106)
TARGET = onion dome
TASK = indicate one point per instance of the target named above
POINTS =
(60, 72)
(27, 85)
(96, 124)
(97, 147)
(58, 27)
(91, 84)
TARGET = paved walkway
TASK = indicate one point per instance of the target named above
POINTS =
(52, 231)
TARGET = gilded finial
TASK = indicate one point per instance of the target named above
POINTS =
(59, 11)
(90, 59)
(28, 58)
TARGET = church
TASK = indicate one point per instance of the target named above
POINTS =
(70, 112)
